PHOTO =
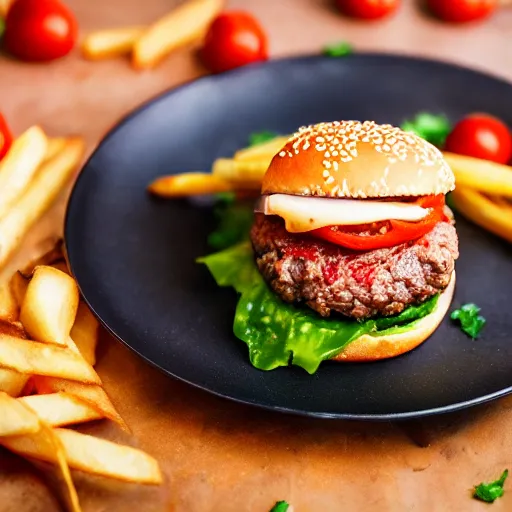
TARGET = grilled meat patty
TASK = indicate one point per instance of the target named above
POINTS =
(356, 284)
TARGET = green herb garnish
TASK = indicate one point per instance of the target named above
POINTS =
(261, 137)
(279, 334)
(2, 27)
(280, 506)
(339, 49)
(491, 491)
(235, 221)
(431, 127)
(470, 321)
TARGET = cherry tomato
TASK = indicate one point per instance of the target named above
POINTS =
(368, 9)
(461, 11)
(481, 136)
(40, 30)
(398, 232)
(234, 39)
(6, 137)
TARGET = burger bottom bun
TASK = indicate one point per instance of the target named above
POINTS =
(373, 348)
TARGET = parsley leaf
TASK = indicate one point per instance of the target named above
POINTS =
(489, 492)
(261, 137)
(235, 220)
(339, 49)
(280, 506)
(431, 127)
(470, 321)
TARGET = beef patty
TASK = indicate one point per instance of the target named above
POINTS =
(356, 284)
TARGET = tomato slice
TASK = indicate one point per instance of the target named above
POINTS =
(385, 234)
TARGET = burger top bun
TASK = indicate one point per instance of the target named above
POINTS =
(357, 160)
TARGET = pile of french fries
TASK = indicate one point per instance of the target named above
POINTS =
(148, 46)
(483, 193)
(48, 336)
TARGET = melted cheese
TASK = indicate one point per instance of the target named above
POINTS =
(306, 213)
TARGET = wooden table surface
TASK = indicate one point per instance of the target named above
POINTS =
(219, 456)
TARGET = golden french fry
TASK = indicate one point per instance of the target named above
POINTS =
(264, 151)
(477, 208)
(188, 184)
(8, 305)
(52, 257)
(111, 43)
(4, 7)
(482, 175)
(185, 24)
(95, 456)
(15, 419)
(43, 444)
(55, 146)
(34, 358)
(243, 174)
(20, 165)
(49, 308)
(60, 409)
(12, 382)
(85, 332)
(42, 192)
(18, 286)
(92, 396)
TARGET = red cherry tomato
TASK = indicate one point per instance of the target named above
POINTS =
(461, 11)
(368, 9)
(6, 137)
(40, 30)
(234, 39)
(481, 136)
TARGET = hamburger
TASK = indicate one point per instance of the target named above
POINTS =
(352, 225)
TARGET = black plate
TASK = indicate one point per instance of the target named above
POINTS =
(133, 256)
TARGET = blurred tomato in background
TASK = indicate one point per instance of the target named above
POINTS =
(461, 11)
(234, 39)
(40, 30)
(5, 137)
(368, 9)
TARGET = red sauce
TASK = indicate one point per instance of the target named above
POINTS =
(302, 251)
(331, 271)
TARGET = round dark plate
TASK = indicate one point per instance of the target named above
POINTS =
(133, 255)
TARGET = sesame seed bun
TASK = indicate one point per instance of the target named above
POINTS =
(358, 160)
(372, 348)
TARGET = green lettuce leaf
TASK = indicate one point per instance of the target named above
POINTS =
(235, 221)
(279, 334)
(280, 506)
(257, 138)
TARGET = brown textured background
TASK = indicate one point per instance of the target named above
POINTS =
(218, 456)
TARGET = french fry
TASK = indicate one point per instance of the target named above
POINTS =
(184, 25)
(60, 409)
(42, 192)
(16, 419)
(34, 358)
(18, 286)
(4, 7)
(194, 183)
(243, 174)
(48, 314)
(111, 43)
(20, 165)
(477, 208)
(12, 382)
(264, 151)
(45, 442)
(85, 332)
(92, 396)
(52, 257)
(8, 305)
(55, 146)
(483, 175)
(93, 455)
(49, 308)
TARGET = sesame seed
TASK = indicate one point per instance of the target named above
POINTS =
(329, 180)
(326, 174)
(282, 153)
